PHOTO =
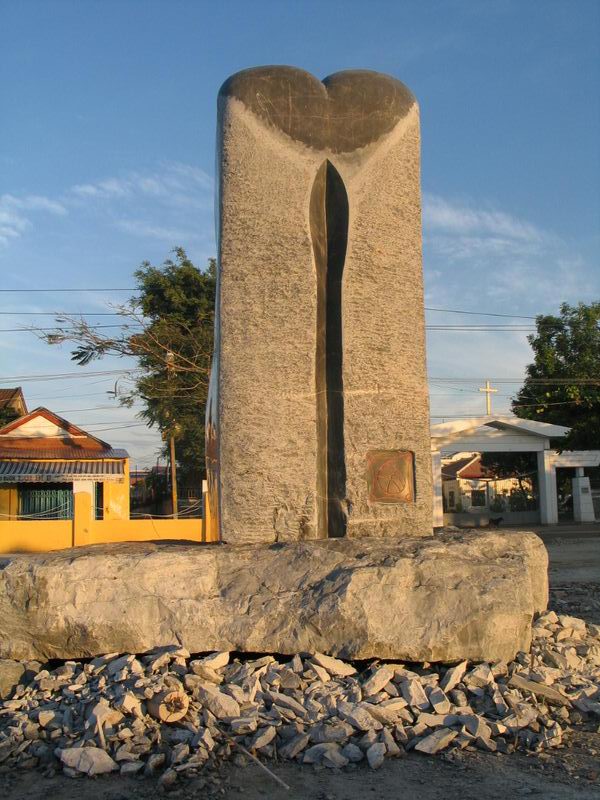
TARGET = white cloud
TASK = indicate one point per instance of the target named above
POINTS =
(172, 180)
(164, 203)
(14, 213)
(489, 253)
(139, 227)
(440, 214)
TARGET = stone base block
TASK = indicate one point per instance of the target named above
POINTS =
(468, 595)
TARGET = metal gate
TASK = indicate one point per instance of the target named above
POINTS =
(45, 503)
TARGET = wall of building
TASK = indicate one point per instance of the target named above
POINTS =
(33, 536)
(43, 535)
(38, 536)
(472, 519)
(9, 502)
(116, 497)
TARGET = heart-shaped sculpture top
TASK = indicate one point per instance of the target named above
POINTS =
(345, 111)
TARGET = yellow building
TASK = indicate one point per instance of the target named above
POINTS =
(47, 463)
(61, 487)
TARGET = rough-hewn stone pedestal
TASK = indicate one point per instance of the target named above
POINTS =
(454, 596)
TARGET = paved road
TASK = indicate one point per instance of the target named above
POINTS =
(574, 551)
(571, 530)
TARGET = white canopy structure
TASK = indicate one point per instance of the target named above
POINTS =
(510, 434)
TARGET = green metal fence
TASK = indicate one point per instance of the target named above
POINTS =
(45, 503)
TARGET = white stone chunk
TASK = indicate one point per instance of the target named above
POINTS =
(218, 703)
(333, 665)
(377, 681)
(285, 701)
(216, 660)
(439, 701)
(321, 673)
(436, 741)
(414, 694)
(295, 746)
(88, 760)
(263, 737)
(376, 754)
(453, 676)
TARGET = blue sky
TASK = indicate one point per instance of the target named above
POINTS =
(107, 159)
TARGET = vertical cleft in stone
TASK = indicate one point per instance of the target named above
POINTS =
(329, 231)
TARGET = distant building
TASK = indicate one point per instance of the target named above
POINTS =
(470, 486)
(463, 490)
(44, 459)
(12, 400)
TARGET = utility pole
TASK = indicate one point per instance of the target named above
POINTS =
(173, 476)
(488, 397)
(170, 369)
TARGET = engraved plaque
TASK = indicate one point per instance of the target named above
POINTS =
(390, 476)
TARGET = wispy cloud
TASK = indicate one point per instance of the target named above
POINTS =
(484, 253)
(440, 214)
(15, 213)
(172, 180)
(162, 203)
(139, 227)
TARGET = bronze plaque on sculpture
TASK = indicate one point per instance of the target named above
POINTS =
(390, 476)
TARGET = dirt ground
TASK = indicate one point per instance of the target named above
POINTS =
(570, 771)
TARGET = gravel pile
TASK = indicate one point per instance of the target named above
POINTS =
(166, 714)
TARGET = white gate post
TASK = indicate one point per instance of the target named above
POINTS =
(438, 504)
(547, 488)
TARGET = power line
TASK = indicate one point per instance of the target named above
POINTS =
(91, 327)
(453, 328)
(59, 291)
(62, 313)
(61, 375)
(478, 313)
(536, 381)
(134, 289)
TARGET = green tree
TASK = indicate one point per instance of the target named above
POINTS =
(7, 415)
(521, 466)
(562, 385)
(168, 329)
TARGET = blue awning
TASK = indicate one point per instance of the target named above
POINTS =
(61, 471)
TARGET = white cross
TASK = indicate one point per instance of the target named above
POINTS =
(488, 397)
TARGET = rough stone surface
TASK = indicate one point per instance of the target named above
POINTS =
(443, 598)
(11, 672)
(263, 440)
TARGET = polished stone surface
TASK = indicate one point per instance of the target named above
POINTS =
(341, 113)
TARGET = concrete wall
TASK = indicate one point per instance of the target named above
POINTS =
(27, 536)
(481, 519)
(43, 535)
(117, 497)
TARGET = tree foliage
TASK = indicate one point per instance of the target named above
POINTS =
(520, 466)
(168, 328)
(7, 415)
(562, 385)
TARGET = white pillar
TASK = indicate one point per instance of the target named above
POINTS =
(438, 503)
(583, 505)
(547, 488)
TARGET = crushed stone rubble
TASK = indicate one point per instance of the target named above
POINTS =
(167, 714)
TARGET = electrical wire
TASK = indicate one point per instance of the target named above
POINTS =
(91, 327)
(60, 291)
